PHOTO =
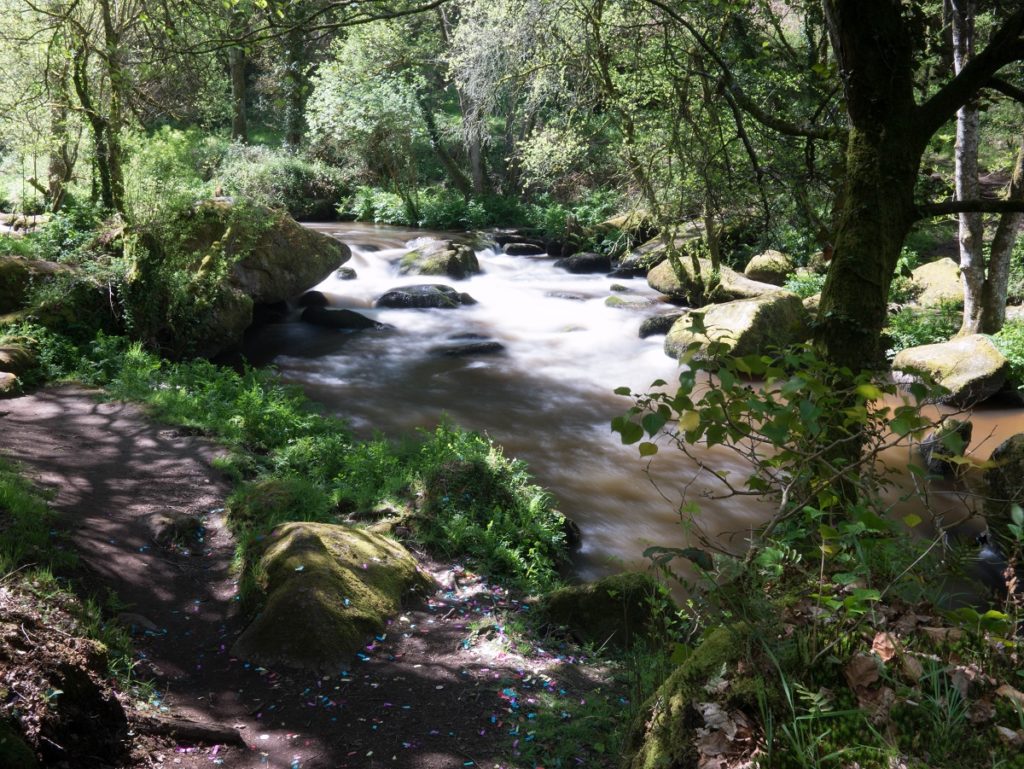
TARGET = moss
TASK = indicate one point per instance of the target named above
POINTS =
(14, 751)
(330, 588)
(662, 736)
(970, 367)
(616, 610)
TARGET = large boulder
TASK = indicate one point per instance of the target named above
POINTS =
(659, 325)
(16, 358)
(616, 610)
(1005, 483)
(10, 385)
(770, 267)
(682, 286)
(428, 296)
(969, 367)
(749, 326)
(17, 275)
(329, 588)
(345, 320)
(430, 256)
(231, 257)
(938, 282)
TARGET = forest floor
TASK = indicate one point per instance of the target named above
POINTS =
(445, 686)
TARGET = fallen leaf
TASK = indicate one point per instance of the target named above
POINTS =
(1011, 694)
(885, 646)
(714, 744)
(961, 681)
(877, 703)
(715, 718)
(912, 667)
(942, 634)
(861, 671)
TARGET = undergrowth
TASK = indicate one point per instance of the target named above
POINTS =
(460, 495)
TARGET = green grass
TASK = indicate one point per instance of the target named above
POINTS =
(463, 497)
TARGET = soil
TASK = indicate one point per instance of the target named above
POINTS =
(442, 687)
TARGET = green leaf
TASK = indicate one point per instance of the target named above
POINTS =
(648, 449)
(623, 391)
(1017, 514)
(912, 520)
(689, 421)
(653, 423)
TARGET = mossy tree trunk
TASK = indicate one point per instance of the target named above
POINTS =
(875, 44)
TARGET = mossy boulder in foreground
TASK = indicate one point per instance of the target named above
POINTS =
(616, 610)
(329, 588)
(970, 367)
(749, 326)
(664, 735)
(17, 275)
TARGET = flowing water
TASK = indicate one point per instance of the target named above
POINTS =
(547, 398)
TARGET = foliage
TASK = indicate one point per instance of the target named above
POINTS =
(916, 326)
(27, 538)
(831, 561)
(1010, 342)
(305, 188)
(299, 464)
(805, 284)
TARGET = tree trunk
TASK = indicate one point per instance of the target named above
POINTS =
(968, 123)
(295, 87)
(993, 298)
(61, 165)
(874, 47)
(236, 67)
(455, 174)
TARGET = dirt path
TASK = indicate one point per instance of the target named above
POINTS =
(424, 694)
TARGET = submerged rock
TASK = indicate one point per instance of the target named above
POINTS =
(659, 325)
(313, 299)
(469, 348)
(748, 326)
(339, 319)
(523, 249)
(427, 296)
(970, 367)
(329, 589)
(585, 263)
(951, 439)
(629, 302)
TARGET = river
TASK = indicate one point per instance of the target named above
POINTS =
(548, 398)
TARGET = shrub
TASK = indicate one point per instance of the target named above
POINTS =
(1010, 341)
(805, 284)
(277, 178)
(915, 326)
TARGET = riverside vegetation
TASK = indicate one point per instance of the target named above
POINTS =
(839, 636)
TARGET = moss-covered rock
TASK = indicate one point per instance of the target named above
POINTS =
(682, 285)
(427, 296)
(663, 736)
(329, 589)
(615, 610)
(17, 275)
(193, 286)
(440, 257)
(629, 302)
(749, 326)
(1005, 483)
(10, 385)
(770, 267)
(16, 358)
(14, 751)
(970, 367)
(938, 282)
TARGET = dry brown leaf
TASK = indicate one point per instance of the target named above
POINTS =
(885, 646)
(877, 703)
(912, 667)
(942, 634)
(714, 744)
(961, 681)
(1011, 694)
(861, 671)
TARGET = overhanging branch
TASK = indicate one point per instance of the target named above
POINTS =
(742, 99)
(926, 210)
(1007, 89)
